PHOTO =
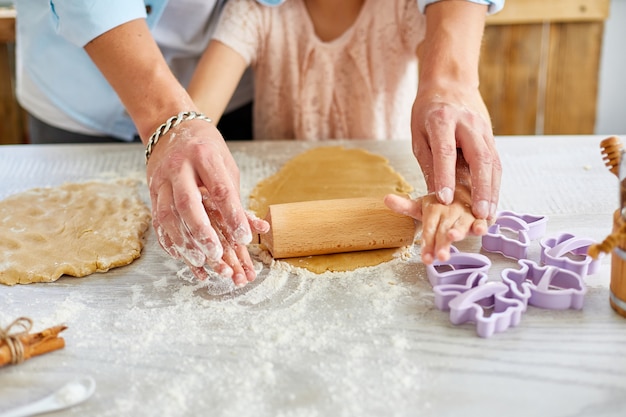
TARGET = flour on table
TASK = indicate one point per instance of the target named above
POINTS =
(291, 343)
(262, 350)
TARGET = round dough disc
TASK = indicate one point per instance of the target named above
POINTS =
(325, 173)
(74, 229)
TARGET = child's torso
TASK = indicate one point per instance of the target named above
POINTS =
(356, 82)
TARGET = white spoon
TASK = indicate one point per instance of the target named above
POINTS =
(70, 394)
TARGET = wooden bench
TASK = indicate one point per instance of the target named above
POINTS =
(12, 125)
(539, 68)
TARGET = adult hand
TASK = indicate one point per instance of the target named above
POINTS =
(449, 113)
(196, 206)
(449, 118)
(192, 177)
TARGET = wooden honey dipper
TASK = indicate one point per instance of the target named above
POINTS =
(324, 227)
(611, 153)
(615, 243)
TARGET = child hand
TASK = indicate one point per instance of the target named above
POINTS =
(442, 224)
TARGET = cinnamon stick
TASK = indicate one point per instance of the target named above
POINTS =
(47, 333)
(32, 345)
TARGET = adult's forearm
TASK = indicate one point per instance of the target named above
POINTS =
(131, 61)
(449, 113)
(450, 51)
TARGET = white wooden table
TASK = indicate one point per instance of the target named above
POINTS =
(366, 343)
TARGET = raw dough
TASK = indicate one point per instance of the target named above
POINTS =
(327, 173)
(74, 229)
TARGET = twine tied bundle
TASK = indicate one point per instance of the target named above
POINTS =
(17, 343)
(11, 338)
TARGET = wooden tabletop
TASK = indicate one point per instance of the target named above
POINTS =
(365, 343)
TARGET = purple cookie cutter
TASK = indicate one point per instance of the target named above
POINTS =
(488, 306)
(496, 241)
(535, 225)
(568, 251)
(548, 287)
(461, 284)
(444, 293)
(457, 268)
(527, 226)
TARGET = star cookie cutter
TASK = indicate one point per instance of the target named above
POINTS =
(568, 251)
(548, 286)
(488, 306)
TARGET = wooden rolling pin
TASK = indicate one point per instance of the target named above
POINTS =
(324, 227)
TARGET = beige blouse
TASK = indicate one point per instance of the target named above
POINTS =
(360, 85)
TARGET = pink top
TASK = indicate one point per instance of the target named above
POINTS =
(359, 86)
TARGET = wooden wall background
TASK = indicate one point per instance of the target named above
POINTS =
(539, 68)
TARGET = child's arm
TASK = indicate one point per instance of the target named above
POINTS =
(215, 79)
(442, 224)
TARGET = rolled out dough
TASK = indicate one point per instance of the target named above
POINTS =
(327, 173)
(74, 229)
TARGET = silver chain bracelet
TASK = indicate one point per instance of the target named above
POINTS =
(169, 124)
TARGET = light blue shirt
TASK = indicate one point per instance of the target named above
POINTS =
(55, 74)
(57, 81)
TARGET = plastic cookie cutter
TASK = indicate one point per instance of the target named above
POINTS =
(535, 225)
(488, 306)
(569, 252)
(444, 293)
(546, 286)
(457, 268)
(495, 240)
